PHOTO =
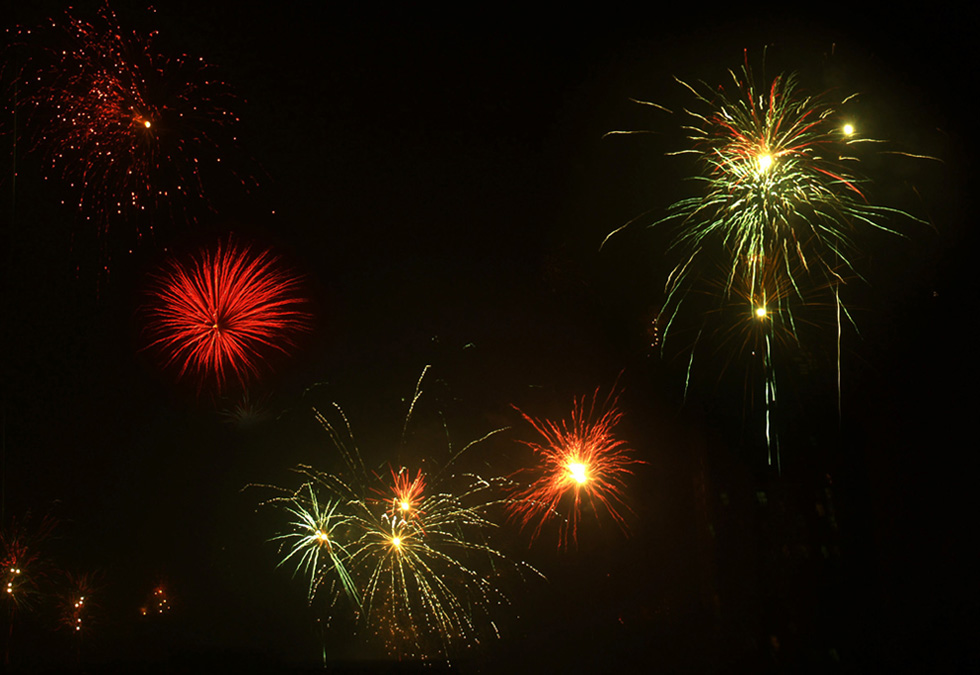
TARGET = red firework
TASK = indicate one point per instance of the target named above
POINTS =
(579, 461)
(127, 128)
(224, 312)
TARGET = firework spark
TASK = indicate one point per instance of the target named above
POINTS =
(129, 130)
(579, 461)
(223, 312)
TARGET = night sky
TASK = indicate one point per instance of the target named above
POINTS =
(442, 182)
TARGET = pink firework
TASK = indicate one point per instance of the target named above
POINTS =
(224, 312)
(579, 463)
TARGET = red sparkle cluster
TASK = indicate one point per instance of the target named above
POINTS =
(126, 128)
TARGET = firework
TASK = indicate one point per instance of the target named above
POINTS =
(24, 567)
(781, 202)
(755, 322)
(247, 411)
(780, 186)
(157, 602)
(580, 462)
(77, 602)
(426, 565)
(312, 541)
(129, 130)
(223, 312)
(743, 318)
(409, 546)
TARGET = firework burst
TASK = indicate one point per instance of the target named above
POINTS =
(781, 202)
(224, 312)
(313, 542)
(406, 495)
(781, 192)
(129, 130)
(77, 603)
(410, 548)
(25, 568)
(579, 463)
(427, 566)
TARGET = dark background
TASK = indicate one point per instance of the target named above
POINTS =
(442, 181)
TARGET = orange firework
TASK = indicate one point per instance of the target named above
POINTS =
(579, 461)
(408, 493)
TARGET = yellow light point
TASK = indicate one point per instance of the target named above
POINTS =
(321, 536)
(396, 542)
(760, 312)
(577, 469)
(765, 161)
(404, 506)
(848, 129)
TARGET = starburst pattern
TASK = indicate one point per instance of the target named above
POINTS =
(312, 541)
(224, 312)
(781, 202)
(580, 463)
